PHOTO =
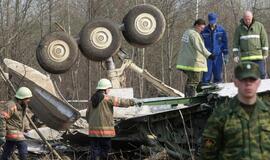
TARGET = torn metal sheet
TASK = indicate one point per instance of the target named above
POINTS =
(32, 77)
(36, 147)
(45, 103)
(80, 123)
(122, 92)
(51, 110)
(48, 133)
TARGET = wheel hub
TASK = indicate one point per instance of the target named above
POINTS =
(101, 38)
(145, 24)
(58, 51)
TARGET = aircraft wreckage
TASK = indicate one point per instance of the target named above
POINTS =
(163, 127)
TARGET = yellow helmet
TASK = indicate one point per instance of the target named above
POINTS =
(23, 93)
(104, 84)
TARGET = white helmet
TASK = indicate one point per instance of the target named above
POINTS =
(23, 93)
(104, 84)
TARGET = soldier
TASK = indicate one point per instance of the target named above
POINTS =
(250, 42)
(13, 124)
(100, 118)
(240, 128)
(192, 57)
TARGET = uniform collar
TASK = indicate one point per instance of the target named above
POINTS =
(208, 28)
(236, 108)
(244, 25)
(215, 27)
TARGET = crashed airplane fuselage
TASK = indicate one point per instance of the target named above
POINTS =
(163, 128)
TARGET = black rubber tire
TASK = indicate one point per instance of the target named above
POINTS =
(108, 47)
(57, 41)
(136, 38)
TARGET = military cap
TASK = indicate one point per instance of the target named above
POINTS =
(247, 70)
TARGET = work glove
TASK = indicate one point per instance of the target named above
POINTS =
(2, 140)
(226, 58)
(138, 102)
(236, 59)
(212, 56)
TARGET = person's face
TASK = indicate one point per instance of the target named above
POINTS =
(200, 28)
(107, 91)
(26, 101)
(248, 19)
(247, 88)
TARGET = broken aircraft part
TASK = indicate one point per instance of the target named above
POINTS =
(48, 133)
(46, 105)
(171, 126)
(168, 125)
(51, 110)
(22, 72)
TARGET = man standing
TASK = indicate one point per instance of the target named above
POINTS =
(13, 124)
(192, 57)
(100, 118)
(215, 40)
(250, 42)
(240, 128)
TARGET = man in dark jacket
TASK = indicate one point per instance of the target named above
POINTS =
(100, 118)
(13, 124)
(215, 40)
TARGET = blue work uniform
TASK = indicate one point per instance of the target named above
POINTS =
(216, 42)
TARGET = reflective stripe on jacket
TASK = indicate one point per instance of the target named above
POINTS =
(192, 55)
(14, 134)
(252, 42)
(100, 118)
(13, 121)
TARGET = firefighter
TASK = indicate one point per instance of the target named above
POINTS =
(13, 124)
(192, 57)
(215, 40)
(250, 42)
(100, 118)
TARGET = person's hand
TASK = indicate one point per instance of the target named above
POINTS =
(264, 57)
(212, 56)
(236, 59)
(138, 102)
(226, 58)
(2, 140)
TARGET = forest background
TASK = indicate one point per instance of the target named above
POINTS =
(24, 22)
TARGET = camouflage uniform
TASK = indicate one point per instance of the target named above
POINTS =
(231, 134)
